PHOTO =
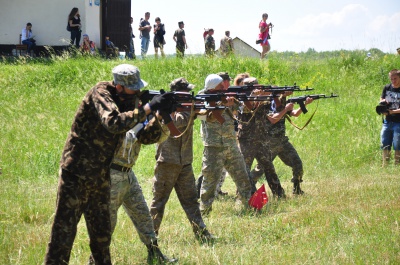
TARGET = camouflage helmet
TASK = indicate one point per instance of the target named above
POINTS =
(180, 84)
(128, 76)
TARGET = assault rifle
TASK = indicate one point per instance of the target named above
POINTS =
(274, 90)
(178, 97)
(301, 99)
(183, 101)
(222, 95)
(211, 99)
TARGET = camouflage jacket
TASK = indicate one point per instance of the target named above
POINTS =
(218, 135)
(179, 150)
(252, 126)
(129, 146)
(278, 129)
(98, 124)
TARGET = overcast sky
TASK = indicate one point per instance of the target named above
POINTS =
(298, 24)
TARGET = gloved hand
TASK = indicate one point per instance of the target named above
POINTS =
(144, 96)
(163, 102)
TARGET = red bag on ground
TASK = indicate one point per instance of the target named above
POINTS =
(259, 198)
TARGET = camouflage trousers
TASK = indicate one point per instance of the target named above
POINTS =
(282, 148)
(126, 191)
(77, 195)
(169, 176)
(218, 189)
(214, 160)
(260, 151)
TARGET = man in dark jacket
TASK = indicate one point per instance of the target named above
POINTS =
(107, 111)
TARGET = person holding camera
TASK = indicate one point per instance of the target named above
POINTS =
(264, 35)
(390, 133)
(159, 41)
(27, 38)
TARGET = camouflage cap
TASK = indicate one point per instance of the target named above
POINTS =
(180, 84)
(128, 76)
(224, 75)
(250, 81)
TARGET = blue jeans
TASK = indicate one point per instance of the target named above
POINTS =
(31, 45)
(145, 46)
(131, 54)
(390, 135)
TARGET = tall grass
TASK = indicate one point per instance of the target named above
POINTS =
(349, 215)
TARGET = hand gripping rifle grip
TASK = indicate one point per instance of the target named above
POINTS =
(168, 121)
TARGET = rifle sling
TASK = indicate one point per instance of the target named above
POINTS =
(309, 120)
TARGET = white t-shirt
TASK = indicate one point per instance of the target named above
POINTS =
(30, 35)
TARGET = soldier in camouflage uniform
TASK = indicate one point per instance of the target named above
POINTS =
(174, 171)
(221, 150)
(218, 191)
(280, 145)
(251, 127)
(126, 190)
(84, 184)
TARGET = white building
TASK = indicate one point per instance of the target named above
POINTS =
(243, 49)
(49, 18)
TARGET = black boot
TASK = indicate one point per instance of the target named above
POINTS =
(204, 236)
(278, 191)
(296, 188)
(155, 256)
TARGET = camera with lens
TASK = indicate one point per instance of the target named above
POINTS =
(383, 108)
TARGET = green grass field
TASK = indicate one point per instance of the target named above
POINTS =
(350, 213)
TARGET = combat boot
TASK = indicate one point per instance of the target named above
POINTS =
(155, 256)
(204, 236)
(385, 157)
(396, 158)
(296, 188)
(278, 191)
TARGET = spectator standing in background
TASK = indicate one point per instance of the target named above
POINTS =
(209, 43)
(74, 20)
(180, 39)
(226, 46)
(264, 35)
(131, 53)
(159, 41)
(145, 28)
